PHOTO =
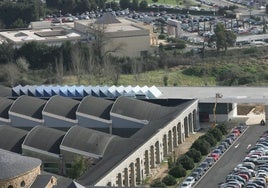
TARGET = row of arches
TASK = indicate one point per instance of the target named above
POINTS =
(145, 165)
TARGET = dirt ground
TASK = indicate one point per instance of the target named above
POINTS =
(162, 171)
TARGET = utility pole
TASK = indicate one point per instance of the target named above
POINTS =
(217, 96)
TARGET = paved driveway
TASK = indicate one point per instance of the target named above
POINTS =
(231, 158)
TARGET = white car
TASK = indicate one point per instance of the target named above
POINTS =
(185, 185)
(189, 180)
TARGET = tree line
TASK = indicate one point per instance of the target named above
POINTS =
(201, 147)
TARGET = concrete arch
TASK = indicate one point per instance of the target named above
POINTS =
(138, 171)
(175, 136)
(190, 123)
(186, 127)
(132, 175)
(165, 145)
(158, 157)
(170, 142)
(119, 180)
(180, 131)
(152, 157)
(146, 163)
(195, 120)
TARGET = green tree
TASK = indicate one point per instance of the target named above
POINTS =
(143, 4)
(18, 24)
(169, 180)
(210, 139)
(194, 154)
(124, 4)
(202, 146)
(222, 128)
(224, 38)
(6, 52)
(217, 134)
(78, 167)
(135, 4)
(155, 1)
(177, 171)
(186, 161)
(157, 183)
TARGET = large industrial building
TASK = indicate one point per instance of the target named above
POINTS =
(123, 140)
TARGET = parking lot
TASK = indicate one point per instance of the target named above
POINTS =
(231, 158)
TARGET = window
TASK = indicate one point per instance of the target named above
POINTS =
(10, 186)
(22, 184)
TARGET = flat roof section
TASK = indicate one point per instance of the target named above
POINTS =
(208, 94)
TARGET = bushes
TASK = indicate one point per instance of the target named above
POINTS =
(169, 180)
(157, 183)
(216, 133)
(194, 154)
(186, 162)
(177, 171)
(210, 139)
(222, 128)
(201, 145)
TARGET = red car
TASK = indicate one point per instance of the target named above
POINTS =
(215, 156)
(236, 132)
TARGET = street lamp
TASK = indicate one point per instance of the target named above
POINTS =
(217, 96)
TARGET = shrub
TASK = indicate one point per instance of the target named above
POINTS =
(216, 133)
(194, 154)
(177, 171)
(157, 183)
(169, 180)
(222, 128)
(210, 139)
(171, 163)
(186, 162)
(201, 145)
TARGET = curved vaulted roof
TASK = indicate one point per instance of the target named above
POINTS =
(138, 109)
(11, 138)
(5, 105)
(119, 148)
(96, 107)
(5, 91)
(86, 140)
(62, 106)
(44, 138)
(13, 165)
(29, 106)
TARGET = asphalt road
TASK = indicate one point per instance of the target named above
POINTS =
(231, 158)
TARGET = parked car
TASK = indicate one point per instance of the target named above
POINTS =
(204, 165)
(262, 160)
(190, 180)
(210, 160)
(215, 156)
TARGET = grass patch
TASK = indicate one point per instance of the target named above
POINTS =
(175, 78)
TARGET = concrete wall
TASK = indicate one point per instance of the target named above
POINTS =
(125, 123)
(130, 45)
(56, 122)
(17, 121)
(91, 123)
(4, 121)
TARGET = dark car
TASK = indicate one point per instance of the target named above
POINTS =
(210, 161)
(204, 165)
